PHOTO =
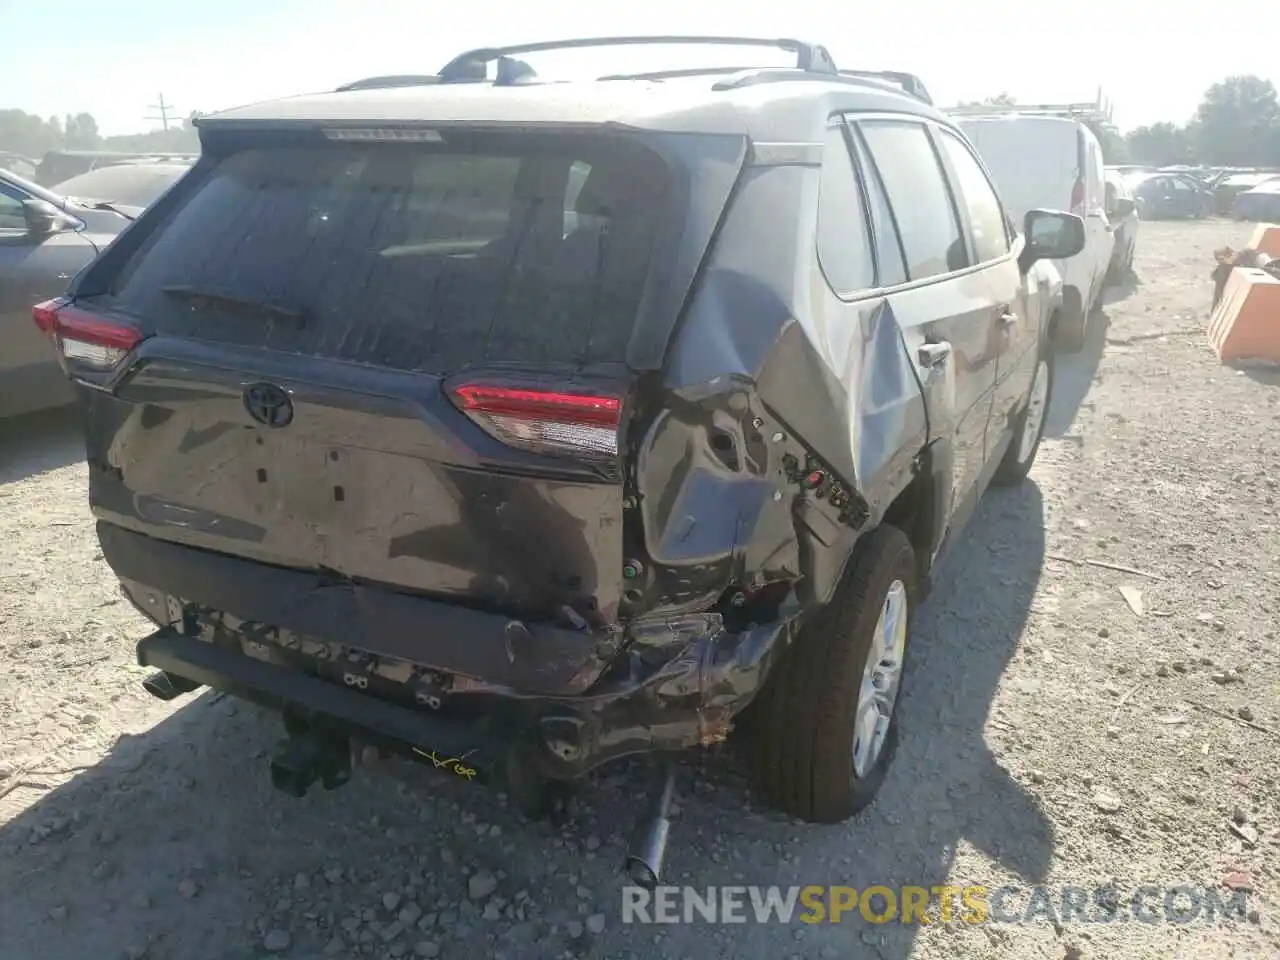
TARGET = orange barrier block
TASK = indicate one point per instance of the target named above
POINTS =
(1246, 323)
(1266, 239)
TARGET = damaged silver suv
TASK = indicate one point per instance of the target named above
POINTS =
(524, 425)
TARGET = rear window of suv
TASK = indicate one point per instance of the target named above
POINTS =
(418, 257)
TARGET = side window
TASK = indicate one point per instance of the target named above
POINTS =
(918, 195)
(12, 218)
(975, 193)
(892, 268)
(844, 248)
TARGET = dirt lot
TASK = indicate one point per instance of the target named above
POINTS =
(1052, 735)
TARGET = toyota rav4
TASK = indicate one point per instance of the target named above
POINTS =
(528, 425)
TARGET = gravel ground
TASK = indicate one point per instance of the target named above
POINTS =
(1052, 735)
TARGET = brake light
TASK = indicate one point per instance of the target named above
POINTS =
(545, 421)
(87, 339)
(1077, 198)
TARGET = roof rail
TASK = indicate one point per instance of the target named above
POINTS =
(756, 75)
(392, 80)
(470, 66)
(909, 82)
(1097, 111)
(679, 73)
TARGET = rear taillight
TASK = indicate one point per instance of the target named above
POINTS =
(86, 339)
(1077, 198)
(545, 421)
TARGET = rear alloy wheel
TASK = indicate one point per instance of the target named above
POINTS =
(1028, 428)
(825, 728)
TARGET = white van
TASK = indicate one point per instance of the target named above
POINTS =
(1054, 163)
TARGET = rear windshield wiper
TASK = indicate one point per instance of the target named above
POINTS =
(290, 314)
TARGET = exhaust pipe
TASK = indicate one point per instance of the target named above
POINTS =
(649, 844)
(168, 686)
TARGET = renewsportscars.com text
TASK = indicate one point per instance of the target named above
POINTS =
(923, 905)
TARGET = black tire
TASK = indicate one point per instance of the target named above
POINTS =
(1071, 327)
(802, 753)
(1016, 465)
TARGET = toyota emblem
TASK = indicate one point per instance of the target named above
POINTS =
(268, 404)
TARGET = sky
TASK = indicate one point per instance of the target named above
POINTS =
(115, 59)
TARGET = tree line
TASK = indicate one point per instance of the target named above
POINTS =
(1237, 124)
(32, 136)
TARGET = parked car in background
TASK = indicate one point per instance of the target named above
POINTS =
(1228, 188)
(17, 164)
(1170, 196)
(1261, 203)
(45, 240)
(1201, 174)
(1041, 159)
(1124, 221)
(135, 183)
(539, 499)
(59, 165)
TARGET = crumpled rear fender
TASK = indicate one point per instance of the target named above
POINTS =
(762, 478)
(785, 422)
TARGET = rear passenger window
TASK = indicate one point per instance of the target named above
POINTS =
(844, 248)
(986, 219)
(919, 197)
(891, 268)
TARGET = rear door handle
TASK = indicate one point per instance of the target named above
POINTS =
(932, 354)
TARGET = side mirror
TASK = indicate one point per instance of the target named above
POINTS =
(1050, 235)
(43, 218)
(1123, 208)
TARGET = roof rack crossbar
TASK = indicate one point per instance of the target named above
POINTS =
(909, 82)
(471, 65)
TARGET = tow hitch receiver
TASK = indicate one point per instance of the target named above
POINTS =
(310, 755)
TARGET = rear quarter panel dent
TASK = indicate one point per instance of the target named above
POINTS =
(766, 351)
(889, 422)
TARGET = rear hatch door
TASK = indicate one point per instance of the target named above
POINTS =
(401, 363)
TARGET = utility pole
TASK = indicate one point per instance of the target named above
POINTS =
(165, 112)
